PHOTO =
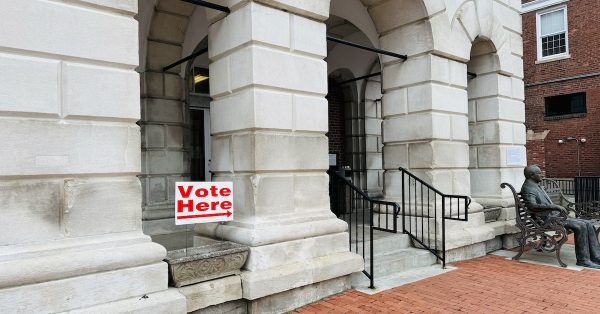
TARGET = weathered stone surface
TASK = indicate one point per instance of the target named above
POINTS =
(295, 298)
(231, 307)
(213, 292)
(197, 264)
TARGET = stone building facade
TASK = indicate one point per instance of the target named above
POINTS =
(573, 74)
(96, 134)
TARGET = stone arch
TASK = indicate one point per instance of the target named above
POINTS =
(169, 30)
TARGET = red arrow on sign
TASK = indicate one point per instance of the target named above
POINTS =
(227, 213)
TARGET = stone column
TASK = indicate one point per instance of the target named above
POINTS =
(269, 118)
(373, 143)
(497, 137)
(425, 127)
(70, 217)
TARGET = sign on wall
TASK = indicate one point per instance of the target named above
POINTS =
(515, 156)
(200, 202)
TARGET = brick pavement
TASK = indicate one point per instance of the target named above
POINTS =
(488, 284)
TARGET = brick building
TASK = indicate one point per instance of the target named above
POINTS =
(562, 85)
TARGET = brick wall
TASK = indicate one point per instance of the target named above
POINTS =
(560, 160)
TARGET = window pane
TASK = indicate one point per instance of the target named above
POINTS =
(565, 104)
(552, 23)
(553, 44)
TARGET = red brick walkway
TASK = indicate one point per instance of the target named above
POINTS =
(489, 284)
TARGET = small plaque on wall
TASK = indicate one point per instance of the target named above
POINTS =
(515, 156)
(332, 159)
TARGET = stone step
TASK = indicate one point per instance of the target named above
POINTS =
(387, 263)
(362, 283)
(382, 241)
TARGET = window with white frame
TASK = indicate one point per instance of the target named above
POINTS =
(552, 33)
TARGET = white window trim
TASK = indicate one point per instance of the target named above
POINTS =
(538, 26)
(540, 4)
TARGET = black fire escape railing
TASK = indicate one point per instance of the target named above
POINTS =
(363, 215)
(425, 211)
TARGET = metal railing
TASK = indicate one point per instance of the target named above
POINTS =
(566, 185)
(363, 215)
(425, 211)
(587, 189)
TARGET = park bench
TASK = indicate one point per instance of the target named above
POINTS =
(536, 230)
(587, 210)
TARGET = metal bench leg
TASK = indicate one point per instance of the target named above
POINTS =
(558, 257)
(521, 249)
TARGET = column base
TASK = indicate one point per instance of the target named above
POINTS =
(295, 298)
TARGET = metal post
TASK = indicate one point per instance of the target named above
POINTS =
(443, 232)
(372, 286)
(209, 5)
(355, 45)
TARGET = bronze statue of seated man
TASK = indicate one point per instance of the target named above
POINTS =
(587, 247)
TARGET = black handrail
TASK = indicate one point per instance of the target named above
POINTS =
(355, 207)
(421, 206)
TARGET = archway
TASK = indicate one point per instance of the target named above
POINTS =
(175, 120)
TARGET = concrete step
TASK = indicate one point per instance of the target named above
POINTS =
(361, 283)
(382, 241)
(387, 263)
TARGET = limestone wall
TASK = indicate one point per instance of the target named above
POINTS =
(70, 200)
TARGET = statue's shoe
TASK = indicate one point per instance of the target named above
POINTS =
(588, 264)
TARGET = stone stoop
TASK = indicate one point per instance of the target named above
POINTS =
(394, 256)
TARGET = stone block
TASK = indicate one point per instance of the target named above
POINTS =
(492, 84)
(157, 189)
(394, 14)
(20, 76)
(372, 144)
(165, 162)
(161, 54)
(167, 27)
(433, 96)
(418, 126)
(318, 10)
(153, 136)
(372, 126)
(308, 36)
(273, 194)
(509, 17)
(310, 114)
(175, 136)
(62, 18)
(468, 18)
(253, 22)
(256, 65)
(460, 127)
(174, 86)
(268, 256)
(466, 252)
(231, 307)
(205, 294)
(272, 151)
(396, 156)
(85, 201)
(165, 302)
(418, 34)
(500, 109)
(395, 102)
(152, 84)
(100, 288)
(129, 6)
(292, 299)
(85, 92)
(163, 110)
(30, 211)
(310, 192)
(67, 147)
(259, 284)
(415, 70)
(219, 79)
(518, 88)
(176, 6)
(438, 154)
